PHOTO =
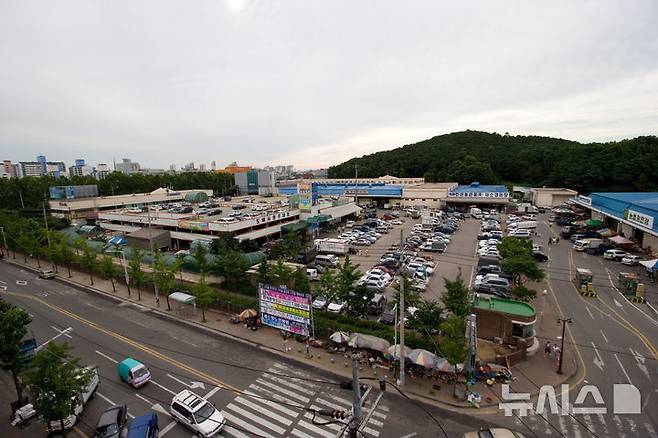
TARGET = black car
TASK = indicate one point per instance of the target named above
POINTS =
(491, 290)
(111, 422)
(540, 256)
(387, 317)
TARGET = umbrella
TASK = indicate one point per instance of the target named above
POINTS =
(423, 358)
(340, 337)
(443, 366)
(249, 313)
(359, 340)
(650, 264)
(594, 223)
(620, 240)
(393, 352)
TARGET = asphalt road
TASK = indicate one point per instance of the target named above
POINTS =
(260, 394)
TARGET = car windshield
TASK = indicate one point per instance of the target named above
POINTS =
(107, 430)
(140, 372)
(321, 298)
(338, 302)
(204, 413)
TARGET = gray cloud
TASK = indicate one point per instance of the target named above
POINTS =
(312, 83)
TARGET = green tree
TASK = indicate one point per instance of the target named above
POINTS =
(54, 379)
(347, 276)
(135, 268)
(327, 284)
(427, 318)
(300, 280)
(280, 274)
(291, 245)
(108, 269)
(411, 296)
(358, 300)
(200, 254)
(204, 296)
(519, 263)
(453, 342)
(66, 255)
(263, 275)
(164, 277)
(89, 261)
(234, 269)
(456, 299)
(13, 327)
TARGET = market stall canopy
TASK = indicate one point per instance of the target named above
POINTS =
(182, 297)
(444, 366)
(340, 337)
(594, 223)
(620, 240)
(393, 351)
(248, 313)
(650, 264)
(423, 358)
(606, 232)
(359, 340)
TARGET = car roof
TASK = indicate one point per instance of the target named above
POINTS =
(190, 400)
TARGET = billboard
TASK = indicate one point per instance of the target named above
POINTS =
(286, 309)
(305, 193)
(193, 225)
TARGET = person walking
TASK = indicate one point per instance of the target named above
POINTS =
(547, 348)
(550, 240)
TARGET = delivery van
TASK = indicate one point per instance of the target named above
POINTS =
(133, 372)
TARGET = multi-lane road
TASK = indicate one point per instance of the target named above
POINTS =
(260, 394)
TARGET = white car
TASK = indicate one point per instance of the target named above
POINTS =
(396, 222)
(349, 224)
(631, 260)
(420, 266)
(379, 274)
(614, 254)
(336, 306)
(320, 302)
(490, 253)
(196, 413)
(520, 233)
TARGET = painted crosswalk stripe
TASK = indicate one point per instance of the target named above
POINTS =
(290, 370)
(589, 423)
(563, 426)
(244, 425)
(576, 427)
(315, 429)
(341, 400)
(263, 410)
(298, 433)
(255, 418)
(651, 430)
(620, 426)
(370, 431)
(287, 383)
(231, 431)
(334, 426)
(348, 405)
(301, 380)
(375, 422)
(291, 394)
(256, 398)
(270, 394)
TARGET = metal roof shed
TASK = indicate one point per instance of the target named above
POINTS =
(184, 304)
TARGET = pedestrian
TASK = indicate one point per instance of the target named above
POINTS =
(554, 350)
(286, 344)
(558, 352)
(308, 351)
(547, 348)
(550, 240)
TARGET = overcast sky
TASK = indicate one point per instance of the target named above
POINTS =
(312, 83)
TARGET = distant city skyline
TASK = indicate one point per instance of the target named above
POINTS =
(313, 84)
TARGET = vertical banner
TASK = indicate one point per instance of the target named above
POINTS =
(286, 309)
(304, 190)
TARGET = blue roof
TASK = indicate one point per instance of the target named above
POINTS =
(625, 206)
(476, 187)
(361, 189)
(644, 199)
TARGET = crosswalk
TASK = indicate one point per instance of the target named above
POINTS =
(599, 425)
(275, 404)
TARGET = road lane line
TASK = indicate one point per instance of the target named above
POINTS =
(640, 362)
(589, 312)
(622, 368)
(53, 338)
(163, 387)
(63, 332)
(604, 337)
(212, 392)
(167, 428)
(597, 360)
(105, 398)
(106, 357)
(653, 321)
(144, 399)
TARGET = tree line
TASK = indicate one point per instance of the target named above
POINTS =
(490, 158)
(30, 192)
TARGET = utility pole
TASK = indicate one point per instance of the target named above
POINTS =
(564, 325)
(401, 318)
(155, 284)
(355, 422)
(20, 195)
(45, 221)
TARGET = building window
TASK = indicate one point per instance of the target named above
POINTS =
(522, 331)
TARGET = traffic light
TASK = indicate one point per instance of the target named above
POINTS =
(337, 414)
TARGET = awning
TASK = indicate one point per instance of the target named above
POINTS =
(318, 219)
(619, 240)
(594, 223)
(295, 226)
(182, 297)
(650, 264)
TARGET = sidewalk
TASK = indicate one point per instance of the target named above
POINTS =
(529, 375)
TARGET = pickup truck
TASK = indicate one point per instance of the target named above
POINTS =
(85, 393)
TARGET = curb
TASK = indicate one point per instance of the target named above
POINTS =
(452, 406)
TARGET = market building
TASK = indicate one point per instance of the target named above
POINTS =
(633, 215)
(461, 196)
(548, 197)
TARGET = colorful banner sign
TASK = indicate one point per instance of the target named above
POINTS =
(585, 200)
(639, 218)
(304, 189)
(286, 309)
(497, 195)
(193, 225)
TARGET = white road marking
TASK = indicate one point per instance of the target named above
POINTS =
(167, 428)
(244, 425)
(640, 362)
(315, 429)
(292, 385)
(563, 426)
(21, 282)
(335, 427)
(370, 431)
(263, 411)
(190, 385)
(298, 433)
(653, 321)
(63, 332)
(272, 404)
(3, 282)
(284, 391)
(597, 360)
(604, 336)
(617, 303)
(144, 399)
(589, 423)
(212, 392)
(622, 368)
(298, 380)
(589, 312)
(228, 430)
(162, 387)
(256, 419)
(106, 356)
(105, 398)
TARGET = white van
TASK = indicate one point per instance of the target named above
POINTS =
(523, 225)
(327, 260)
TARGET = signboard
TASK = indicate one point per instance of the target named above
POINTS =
(481, 195)
(357, 192)
(272, 217)
(585, 200)
(286, 309)
(193, 225)
(639, 218)
(304, 189)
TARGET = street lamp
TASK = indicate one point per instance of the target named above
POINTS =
(564, 322)
(125, 265)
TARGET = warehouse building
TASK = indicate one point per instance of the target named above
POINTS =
(548, 197)
(489, 196)
(632, 215)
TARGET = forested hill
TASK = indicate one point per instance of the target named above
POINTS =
(464, 157)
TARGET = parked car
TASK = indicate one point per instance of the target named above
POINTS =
(387, 317)
(539, 256)
(111, 422)
(336, 306)
(196, 413)
(46, 273)
(631, 260)
(320, 302)
(614, 254)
